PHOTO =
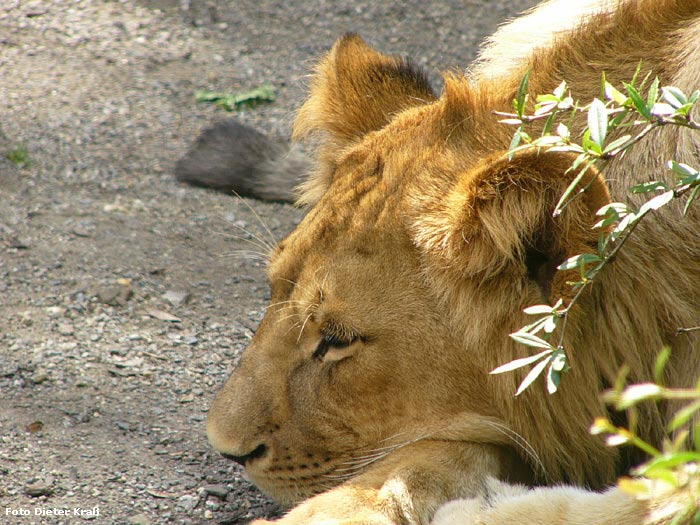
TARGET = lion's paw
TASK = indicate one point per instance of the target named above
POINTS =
(458, 512)
(369, 519)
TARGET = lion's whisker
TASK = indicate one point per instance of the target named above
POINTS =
(521, 442)
(256, 239)
(304, 326)
(247, 254)
(257, 216)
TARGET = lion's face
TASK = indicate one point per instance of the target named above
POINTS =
(393, 298)
(352, 358)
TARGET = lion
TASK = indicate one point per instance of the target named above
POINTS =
(365, 395)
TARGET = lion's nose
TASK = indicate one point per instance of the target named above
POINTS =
(258, 452)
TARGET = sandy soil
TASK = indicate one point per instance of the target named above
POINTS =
(125, 297)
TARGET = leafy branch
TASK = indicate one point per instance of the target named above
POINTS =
(632, 117)
(673, 469)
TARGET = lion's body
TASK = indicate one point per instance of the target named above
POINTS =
(394, 298)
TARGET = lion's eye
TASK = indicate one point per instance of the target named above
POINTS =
(333, 343)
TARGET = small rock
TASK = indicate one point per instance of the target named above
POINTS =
(208, 514)
(55, 311)
(40, 488)
(35, 426)
(114, 295)
(187, 502)
(162, 316)
(176, 298)
(218, 490)
(39, 377)
(82, 231)
(17, 243)
(187, 398)
(66, 329)
(139, 519)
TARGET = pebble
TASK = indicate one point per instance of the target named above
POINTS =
(40, 488)
(55, 311)
(66, 329)
(176, 298)
(188, 502)
(114, 295)
(218, 490)
(139, 519)
(187, 398)
(39, 377)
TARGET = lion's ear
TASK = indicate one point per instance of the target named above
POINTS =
(499, 217)
(356, 90)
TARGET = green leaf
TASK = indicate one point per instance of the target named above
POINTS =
(574, 184)
(653, 94)
(611, 93)
(627, 221)
(638, 101)
(691, 199)
(534, 327)
(601, 425)
(519, 363)
(661, 109)
(548, 125)
(550, 323)
(683, 170)
(590, 146)
(656, 203)
(539, 309)
(673, 96)
(559, 91)
(532, 375)
(577, 261)
(637, 393)
(647, 187)
(598, 122)
(665, 475)
(619, 118)
(684, 110)
(230, 102)
(563, 132)
(530, 340)
(683, 415)
(511, 121)
(553, 380)
(668, 461)
(660, 365)
(618, 208)
(615, 440)
(514, 143)
(560, 363)
(547, 99)
(616, 143)
(522, 94)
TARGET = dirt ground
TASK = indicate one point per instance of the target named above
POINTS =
(125, 297)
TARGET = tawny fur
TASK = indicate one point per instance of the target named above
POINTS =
(368, 380)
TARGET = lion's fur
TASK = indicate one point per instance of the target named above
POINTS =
(422, 246)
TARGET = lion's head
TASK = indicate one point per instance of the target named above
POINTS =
(393, 299)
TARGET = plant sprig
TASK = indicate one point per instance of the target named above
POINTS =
(625, 110)
(674, 468)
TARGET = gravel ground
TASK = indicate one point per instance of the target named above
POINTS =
(125, 299)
